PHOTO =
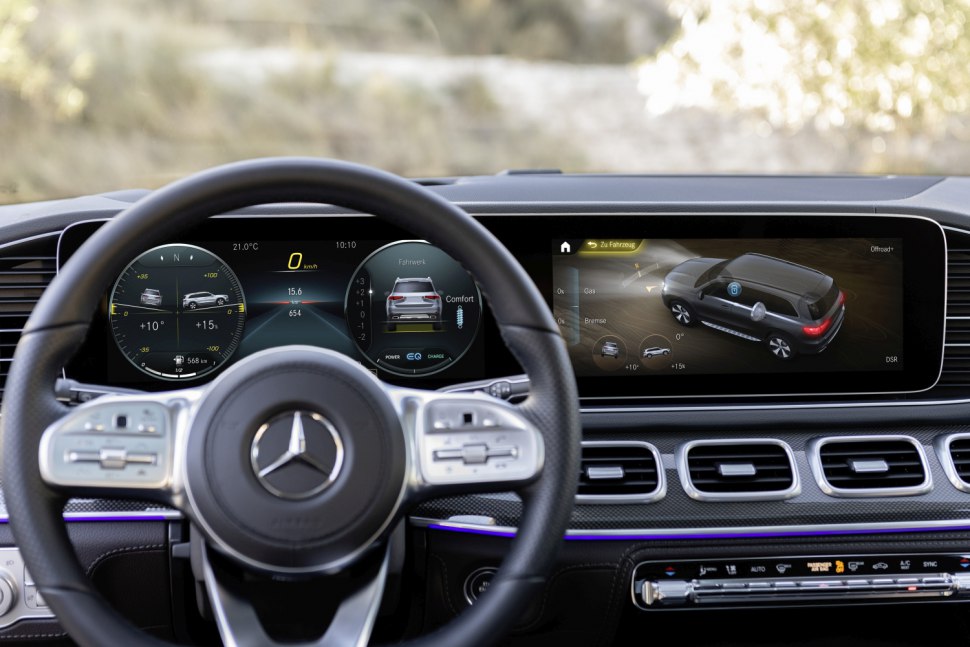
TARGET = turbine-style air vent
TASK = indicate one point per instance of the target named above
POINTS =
(738, 470)
(26, 268)
(859, 466)
(620, 472)
(954, 454)
(956, 348)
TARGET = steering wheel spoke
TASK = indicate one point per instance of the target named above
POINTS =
(120, 446)
(467, 443)
(239, 624)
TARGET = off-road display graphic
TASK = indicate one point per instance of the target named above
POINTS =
(725, 306)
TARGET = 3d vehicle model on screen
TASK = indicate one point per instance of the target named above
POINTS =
(792, 308)
(610, 349)
(413, 299)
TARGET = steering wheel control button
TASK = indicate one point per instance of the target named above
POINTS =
(474, 454)
(32, 594)
(99, 445)
(477, 583)
(448, 454)
(297, 454)
(113, 458)
(475, 440)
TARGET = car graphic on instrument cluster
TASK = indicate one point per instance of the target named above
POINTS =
(791, 308)
(413, 299)
(151, 297)
(194, 300)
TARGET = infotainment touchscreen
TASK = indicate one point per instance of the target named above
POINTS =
(747, 314)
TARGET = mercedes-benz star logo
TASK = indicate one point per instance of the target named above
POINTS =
(297, 454)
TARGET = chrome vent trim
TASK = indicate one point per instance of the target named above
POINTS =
(700, 494)
(26, 269)
(816, 446)
(648, 452)
(957, 468)
(956, 343)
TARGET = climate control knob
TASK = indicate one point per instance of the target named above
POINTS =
(8, 595)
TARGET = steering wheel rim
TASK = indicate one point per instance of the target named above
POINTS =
(63, 314)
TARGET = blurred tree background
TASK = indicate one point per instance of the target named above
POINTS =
(891, 75)
(97, 95)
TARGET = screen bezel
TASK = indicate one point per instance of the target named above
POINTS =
(924, 264)
(924, 310)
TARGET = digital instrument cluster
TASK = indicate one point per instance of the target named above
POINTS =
(183, 311)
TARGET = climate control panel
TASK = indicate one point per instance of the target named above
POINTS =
(792, 580)
(19, 597)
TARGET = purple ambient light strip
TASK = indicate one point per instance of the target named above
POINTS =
(716, 535)
(108, 517)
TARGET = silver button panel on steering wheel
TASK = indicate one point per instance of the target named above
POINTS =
(124, 442)
(469, 440)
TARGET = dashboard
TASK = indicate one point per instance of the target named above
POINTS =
(773, 375)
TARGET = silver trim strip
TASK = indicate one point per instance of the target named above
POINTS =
(650, 497)
(813, 451)
(135, 515)
(945, 456)
(719, 531)
(693, 492)
(21, 241)
(605, 409)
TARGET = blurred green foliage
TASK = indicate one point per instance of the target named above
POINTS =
(43, 77)
(889, 71)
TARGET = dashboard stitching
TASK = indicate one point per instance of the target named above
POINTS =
(445, 583)
(33, 636)
(100, 559)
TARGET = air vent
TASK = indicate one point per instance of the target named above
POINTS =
(858, 466)
(956, 349)
(954, 454)
(620, 472)
(738, 470)
(25, 270)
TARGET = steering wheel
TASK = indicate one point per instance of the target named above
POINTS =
(382, 446)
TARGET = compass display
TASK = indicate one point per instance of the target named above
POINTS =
(177, 312)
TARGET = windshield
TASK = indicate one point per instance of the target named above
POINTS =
(411, 287)
(100, 95)
(820, 307)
